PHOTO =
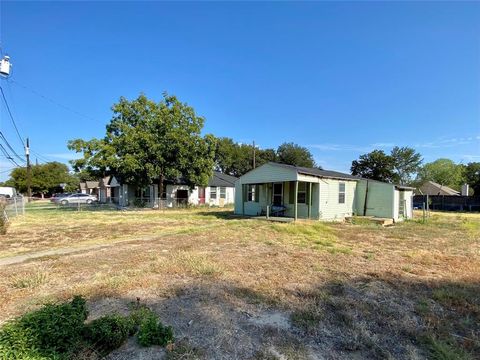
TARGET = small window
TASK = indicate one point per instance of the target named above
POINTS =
(213, 192)
(251, 193)
(223, 192)
(341, 193)
(302, 193)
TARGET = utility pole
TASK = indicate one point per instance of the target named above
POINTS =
(27, 155)
(254, 154)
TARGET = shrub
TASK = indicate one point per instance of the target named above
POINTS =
(50, 332)
(153, 332)
(108, 332)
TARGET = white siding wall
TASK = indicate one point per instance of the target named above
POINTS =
(330, 208)
(229, 196)
(396, 204)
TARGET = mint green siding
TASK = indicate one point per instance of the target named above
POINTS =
(380, 201)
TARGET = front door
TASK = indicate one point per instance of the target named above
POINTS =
(277, 197)
(201, 195)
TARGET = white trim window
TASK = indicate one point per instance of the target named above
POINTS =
(341, 193)
(223, 192)
(302, 193)
(213, 192)
(251, 193)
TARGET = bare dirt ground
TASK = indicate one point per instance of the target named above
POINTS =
(247, 289)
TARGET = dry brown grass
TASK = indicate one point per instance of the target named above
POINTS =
(349, 290)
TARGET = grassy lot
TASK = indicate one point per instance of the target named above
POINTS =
(248, 289)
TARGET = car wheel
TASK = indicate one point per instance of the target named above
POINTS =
(89, 201)
(64, 202)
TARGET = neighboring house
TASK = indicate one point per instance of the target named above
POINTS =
(90, 187)
(220, 191)
(432, 188)
(109, 190)
(307, 193)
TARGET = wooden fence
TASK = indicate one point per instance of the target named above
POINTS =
(447, 202)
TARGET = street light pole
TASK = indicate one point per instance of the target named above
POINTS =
(27, 155)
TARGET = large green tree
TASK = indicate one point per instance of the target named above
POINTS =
(471, 175)
(148, 142)
(45, 178)
(375, 165)
(237, 159)
(441, 171)
(293, 154)
(406, 162)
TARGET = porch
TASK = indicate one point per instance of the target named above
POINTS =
(289, 200)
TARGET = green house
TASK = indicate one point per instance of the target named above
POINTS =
(306, 193)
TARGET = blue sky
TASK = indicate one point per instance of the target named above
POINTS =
(339, 78)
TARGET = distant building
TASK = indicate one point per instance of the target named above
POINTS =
(432, 188)
(90, 187)
(220, 191)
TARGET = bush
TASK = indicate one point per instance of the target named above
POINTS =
(49, 333)
(108, 332)
(153, 332)
(58, 331)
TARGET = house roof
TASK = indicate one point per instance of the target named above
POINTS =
(221, 179)
(432, 188)
(318, 172)
(333, 174)
(92, 184)
(83, 186)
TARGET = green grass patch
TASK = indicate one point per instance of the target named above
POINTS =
(444, 350)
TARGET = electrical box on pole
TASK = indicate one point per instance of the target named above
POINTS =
(5, 66)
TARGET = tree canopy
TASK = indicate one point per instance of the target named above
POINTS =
(442, 171)
(148, 142)
(406, 162)
(45, 178)
(471, 175)
(293, 154)
(237, 159)
(375, 165)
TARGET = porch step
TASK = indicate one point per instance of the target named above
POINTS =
(275, 219)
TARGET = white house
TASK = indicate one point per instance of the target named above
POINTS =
(297, 192)
(220, 191)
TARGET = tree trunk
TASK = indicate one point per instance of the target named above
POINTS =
(160, 190)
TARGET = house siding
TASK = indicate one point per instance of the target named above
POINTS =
(380, 201)
(330, 208)
(267, 174)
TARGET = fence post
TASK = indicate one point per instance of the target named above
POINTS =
(15, 203)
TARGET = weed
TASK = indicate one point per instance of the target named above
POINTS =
(153, 332)
(30, 281)
(50, 332)
(444, 350)
(307, 319)
(108, 332)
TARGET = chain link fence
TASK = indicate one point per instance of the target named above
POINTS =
(12, 207)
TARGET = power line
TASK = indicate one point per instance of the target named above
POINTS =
(10, 147)
(11, 116)
(51, 100)
(7, 155)
(40, 156)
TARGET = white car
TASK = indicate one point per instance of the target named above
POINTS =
(77, 199)
(7, 192)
